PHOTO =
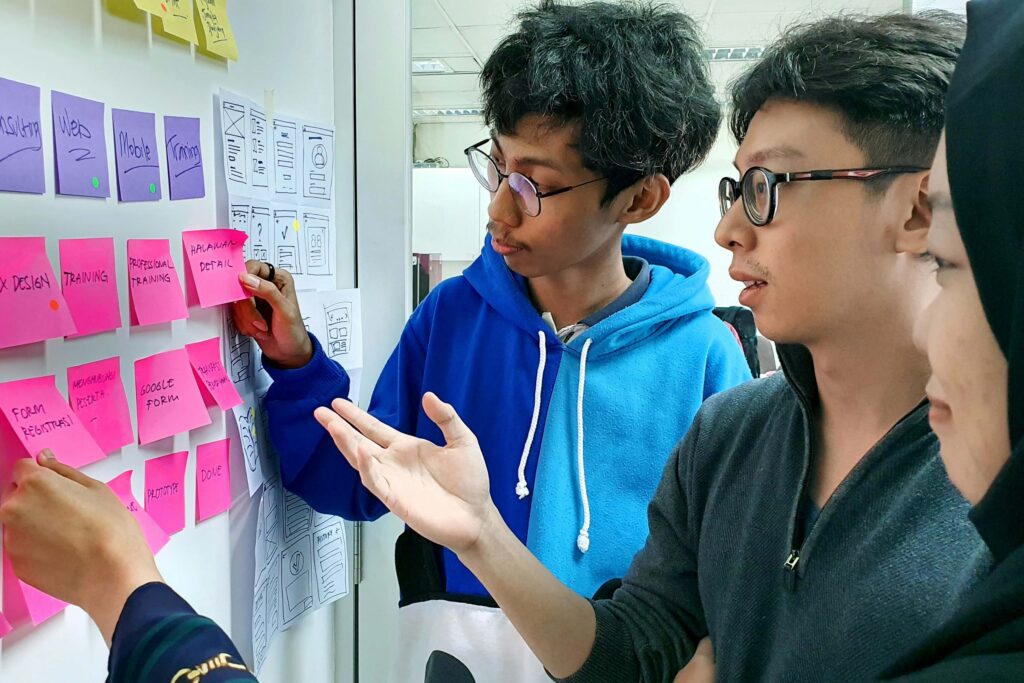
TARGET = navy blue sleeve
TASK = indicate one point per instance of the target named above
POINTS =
(311, 465)
(160, 638)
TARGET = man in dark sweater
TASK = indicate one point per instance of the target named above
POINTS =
(806, 522)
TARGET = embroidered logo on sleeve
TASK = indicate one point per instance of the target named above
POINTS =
(196, 674)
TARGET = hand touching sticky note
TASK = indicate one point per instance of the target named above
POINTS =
(121, 485)
(213, 480)
(214, 383)
(96, 395)
(167, 396)
(89, 281)
(154, 291)
(41, 418)
(24, 603)
(215, 261)
(164, 495)
(32, 307)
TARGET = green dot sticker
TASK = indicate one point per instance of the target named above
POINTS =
(152, 188)
(95, 182)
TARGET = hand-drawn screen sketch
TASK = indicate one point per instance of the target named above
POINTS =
(246, 420)
(287, 253)
(235, 153)
(301, 561)
(258, 151)
(286, 173)
(265, 163)
(318, 162)
(240, 355)
(317, 230)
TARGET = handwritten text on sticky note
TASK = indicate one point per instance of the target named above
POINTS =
(154, 290)
(164, 496)
(215, 260)
(32, 307)
(213, 480)
(89, 282)
(41, 418)
(167, 397)
(96, 394)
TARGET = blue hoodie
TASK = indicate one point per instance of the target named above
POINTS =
(575, 436)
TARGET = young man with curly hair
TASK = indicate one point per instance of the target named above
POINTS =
(578, 356)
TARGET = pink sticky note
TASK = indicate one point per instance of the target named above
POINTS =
(167, 397)
(32, 307)
(24, 603)
(214, 261)
(89, 279)
(5, 626)
(165, 491)
(214, 383)
(96, 395)
(213, 480)
(121, 485)
(41, 418)
(154, 291)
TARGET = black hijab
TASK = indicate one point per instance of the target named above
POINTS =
(985, 151)
(984, 641)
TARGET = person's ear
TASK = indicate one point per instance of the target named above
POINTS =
(644, 198)
(912, 237)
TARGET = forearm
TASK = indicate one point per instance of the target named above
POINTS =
(556, 623)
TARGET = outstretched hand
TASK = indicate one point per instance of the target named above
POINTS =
(443, 493)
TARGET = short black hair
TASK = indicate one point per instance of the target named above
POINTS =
(886, 76)
(630, 75)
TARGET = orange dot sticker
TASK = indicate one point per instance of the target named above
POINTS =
(54, 305)
(163, 6)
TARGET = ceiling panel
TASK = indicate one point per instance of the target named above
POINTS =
(728, 23)
(425, 15)
(436, 43)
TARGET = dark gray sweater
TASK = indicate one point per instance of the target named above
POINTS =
(888, 559)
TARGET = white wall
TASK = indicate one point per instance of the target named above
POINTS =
(84, 48)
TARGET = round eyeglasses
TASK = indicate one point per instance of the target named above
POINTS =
(759, 187)
(524, 190)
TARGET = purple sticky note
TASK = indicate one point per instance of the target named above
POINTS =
(80, 146)
(135, 153)
(184, 158)
(21, 139)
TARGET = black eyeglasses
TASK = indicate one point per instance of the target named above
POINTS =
(759, 187)
(524, 191)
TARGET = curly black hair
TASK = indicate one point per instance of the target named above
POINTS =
(886, 76)
(630, 75)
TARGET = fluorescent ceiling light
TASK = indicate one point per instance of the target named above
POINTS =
(431, 66)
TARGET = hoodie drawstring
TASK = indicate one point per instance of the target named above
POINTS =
(583, 540)
(521, 488)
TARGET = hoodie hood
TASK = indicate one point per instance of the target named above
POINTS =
(678, 288)
(985, 145)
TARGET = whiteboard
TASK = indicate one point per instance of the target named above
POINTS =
(103, 50)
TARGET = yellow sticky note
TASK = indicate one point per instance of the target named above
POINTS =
(219, 38)
(179, 20)
(152, 6)
(296, 225)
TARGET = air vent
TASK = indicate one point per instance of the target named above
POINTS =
(733, 54)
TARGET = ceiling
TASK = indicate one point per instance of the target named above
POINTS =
(462, 33)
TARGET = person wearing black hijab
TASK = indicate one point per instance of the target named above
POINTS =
(973, 334)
